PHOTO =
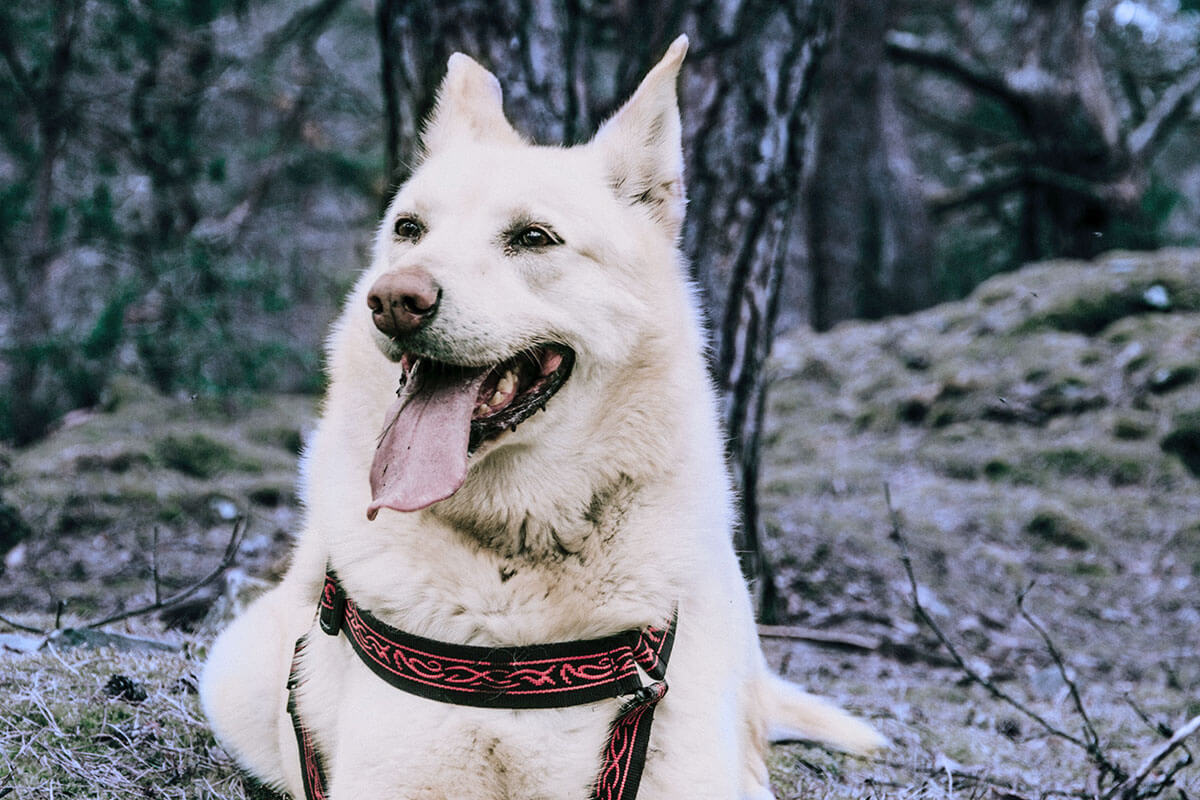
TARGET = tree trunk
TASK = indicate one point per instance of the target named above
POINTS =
(870, 236)
(1074, 129)
(744, 94)
(31, 403)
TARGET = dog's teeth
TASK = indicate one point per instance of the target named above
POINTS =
(506, 383)
(497, 398)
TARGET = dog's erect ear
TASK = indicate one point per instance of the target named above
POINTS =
(469, 107)
(642, 143)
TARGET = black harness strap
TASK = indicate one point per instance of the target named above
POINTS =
(312, 771)
(535, 676)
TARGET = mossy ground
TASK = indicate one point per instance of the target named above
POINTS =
(1027, 435)
(1020, 445)
(98, 490)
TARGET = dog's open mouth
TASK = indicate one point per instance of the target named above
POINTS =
(517, 388)
(444, 412)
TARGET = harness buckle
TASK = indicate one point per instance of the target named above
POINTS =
(645, 696)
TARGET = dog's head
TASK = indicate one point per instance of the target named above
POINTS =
(506, 273)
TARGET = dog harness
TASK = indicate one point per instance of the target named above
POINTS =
(535, 676)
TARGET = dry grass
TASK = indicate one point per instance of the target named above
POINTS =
(67, 731)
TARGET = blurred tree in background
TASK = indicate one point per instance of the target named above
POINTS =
(1042, 123)
(179, 178)
(189, 185)
(869, 232)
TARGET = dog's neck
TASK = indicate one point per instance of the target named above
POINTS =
(543, 532)
(531, 502)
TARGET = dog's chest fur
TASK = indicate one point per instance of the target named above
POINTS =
(519, 585)
(456, 587)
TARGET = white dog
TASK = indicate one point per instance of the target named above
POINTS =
(507, 279)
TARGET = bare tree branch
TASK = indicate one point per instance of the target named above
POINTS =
(1157, 727)
(996, 692)
(9, 51)
(1130, 788)
(1002, 789)
(305, 25)
(910, 49)
(1171, 109)
(19, 627)
(1094, 751)
(154, 568)
(965, 132)
(988, 189)
(1131, 89)
(839, 641)
(1116, 193)
(235, 540)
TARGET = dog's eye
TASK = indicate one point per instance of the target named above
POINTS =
(409, 229)
(533, 237)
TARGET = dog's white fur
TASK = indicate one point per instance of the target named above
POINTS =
(595, 517)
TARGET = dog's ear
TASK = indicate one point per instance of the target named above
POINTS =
(469, 106)
(642, 143)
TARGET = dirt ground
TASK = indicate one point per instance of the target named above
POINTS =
(1040, 437)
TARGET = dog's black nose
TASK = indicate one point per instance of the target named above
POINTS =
(403, 300)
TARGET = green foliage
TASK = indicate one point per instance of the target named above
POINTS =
(215, 171)
(199, 456)
(1090, 314)
(12, 527)
(96, 218)
(1184, 442)
(136, 185)
(1143, 229)
(967, 256)
(286, 438)
(997, 469)
(108, 330)
(1170, 378)
(1130, 429)
(1056, 528)
(994, 117)
(1070, 462)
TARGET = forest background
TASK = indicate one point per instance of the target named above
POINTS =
(188, 187)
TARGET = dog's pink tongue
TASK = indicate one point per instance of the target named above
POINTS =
(422, 454)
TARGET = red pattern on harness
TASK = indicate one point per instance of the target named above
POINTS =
(535, 676)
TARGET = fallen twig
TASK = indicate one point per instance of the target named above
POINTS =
(1158, 727)
(1095, 752)
(897, 537)
(838, 641)
(159, 604)
(905, 652)
(1001, 787)
(1129, 788)
(19, 627)
(154, 567)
